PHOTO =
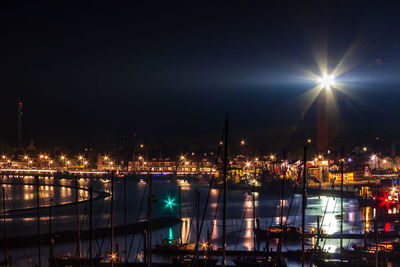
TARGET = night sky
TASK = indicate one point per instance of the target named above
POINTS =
(88, 72)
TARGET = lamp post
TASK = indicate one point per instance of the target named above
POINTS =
(106, 159)
(272, 158)
(374, 158)
(63, 158)
(80, 157)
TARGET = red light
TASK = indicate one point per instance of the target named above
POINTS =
(387, 227)
(384, 201)
(20, 103)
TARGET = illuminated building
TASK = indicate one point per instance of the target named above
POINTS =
(348, 176)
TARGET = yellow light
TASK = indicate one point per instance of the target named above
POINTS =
(113, 256)
(242, 142)
(182, 157)
(326, 81)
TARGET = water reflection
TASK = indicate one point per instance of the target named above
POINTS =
(240, 207)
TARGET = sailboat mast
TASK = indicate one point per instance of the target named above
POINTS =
(303, 208)
(4, 226)
(341, 201)
(224, 191)
(254, 219)
(112, 218)
(180, 213)
(125, 221)
(376, 230)
(91, 226)
(281, 211)
(51, 244)
(197, 217)
(38, 217)
(78, 224)
(149, 218)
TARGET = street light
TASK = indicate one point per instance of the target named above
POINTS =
(63, 158)
(80, 157)
(374, 157)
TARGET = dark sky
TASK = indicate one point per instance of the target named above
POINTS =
(89, 71)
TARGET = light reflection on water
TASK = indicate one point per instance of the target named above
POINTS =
(240, 206)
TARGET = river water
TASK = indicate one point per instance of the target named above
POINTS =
(21, 194)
